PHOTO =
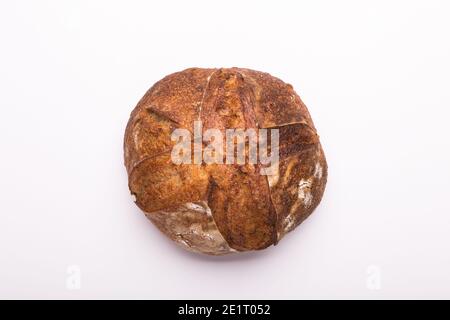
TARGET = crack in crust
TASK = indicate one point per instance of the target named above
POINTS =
(200, 108)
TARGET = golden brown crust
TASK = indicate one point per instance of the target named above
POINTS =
(249, 210)
(299, 187)
(158, 183)
(277, 102)
(241, 206)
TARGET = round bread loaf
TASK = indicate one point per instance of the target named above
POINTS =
(221, 208)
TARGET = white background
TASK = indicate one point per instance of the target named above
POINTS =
(374, 74)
